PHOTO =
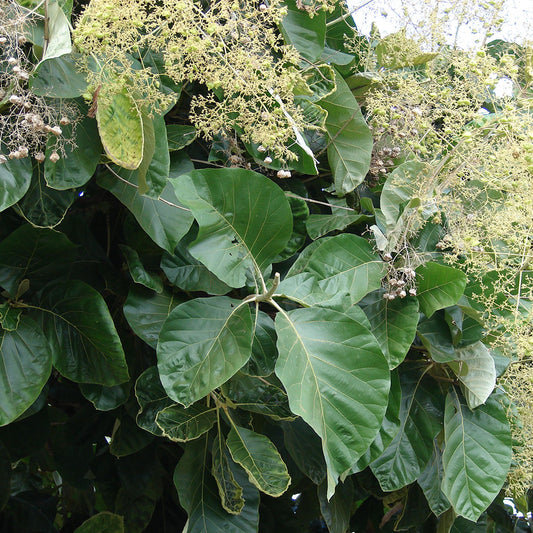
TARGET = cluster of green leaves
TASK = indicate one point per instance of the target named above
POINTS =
(187, 346)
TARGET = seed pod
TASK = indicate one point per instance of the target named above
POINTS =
(268, 160)
(54, 157)
(39, 156)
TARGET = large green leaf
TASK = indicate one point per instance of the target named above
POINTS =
(431, 482)
(438, 286)
(229, 490)
(389, 427)
(344, 269)
(43, 206)
(120, 127)
(198, 494)
(187, 273)
(146, 311)
(38, 255)
(244, 218)
(202, 344)
(152, 399)
(337, 380)
(261, 460)
(258, 395)
(15, 179)
(393, 324)
(26, 363)
(181, 424)
(477, 453)
(475, 369)
(58, 77)
(104, 522)
(411, 448)
(81, 332)
(165, 220)
(349, 138)
(306, 34)
(79, 163)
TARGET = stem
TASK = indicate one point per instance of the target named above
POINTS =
(266, 296)
(347, 14)
(46, 27)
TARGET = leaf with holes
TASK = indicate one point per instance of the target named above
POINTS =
(245, 220)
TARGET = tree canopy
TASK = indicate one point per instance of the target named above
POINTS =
(261, 272)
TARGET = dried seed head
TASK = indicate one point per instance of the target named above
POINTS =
(39, 156)
(54, 157)
(12, 61)
(14, 99)
(23, 150)
(3, 159)
(268, 160)
(64, 121)
(412, 292)
(263, 7)
(387, 256)
(57, 131)
(402, 294)
(261, 149)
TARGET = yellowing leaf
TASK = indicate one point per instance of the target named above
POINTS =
(120, 127)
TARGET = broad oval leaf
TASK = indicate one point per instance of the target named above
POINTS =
(120, 127)
(475, 369)
(198, 495)
(477, 454)
(165, 220)
(245, 220)
(337, 380)
(319, 225)
(229, 490)
(15, 179)
(261, 460)
(337, 510)
(179, 136)
(58, 77)
(344, 268)
(349, 138)
(181, 424)
(202, 344)
(435, 335)
(26, 365)
(81, 332)
(393, 324)
(146, 311)
(438, 286)
(420, 421)
(152, 398)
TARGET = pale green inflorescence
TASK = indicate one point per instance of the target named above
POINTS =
(232, 48)
(447, 110)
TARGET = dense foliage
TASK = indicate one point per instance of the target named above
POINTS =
(260, 272)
